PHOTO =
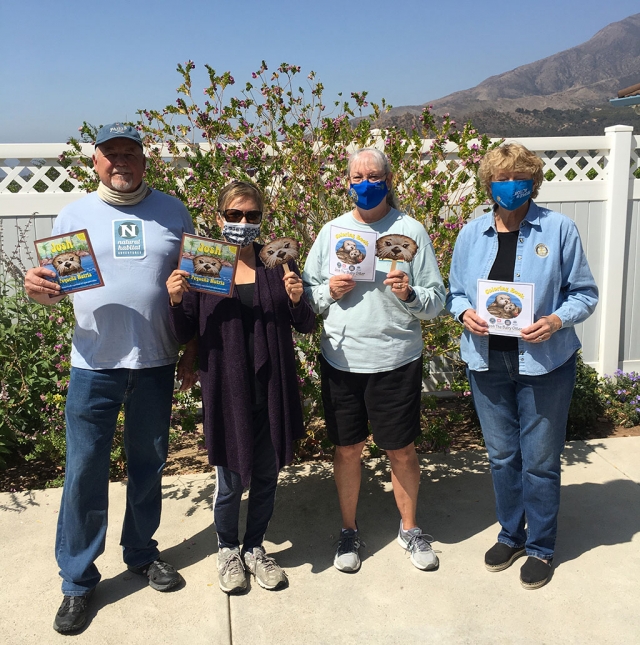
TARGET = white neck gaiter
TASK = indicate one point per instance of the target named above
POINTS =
(116, 198)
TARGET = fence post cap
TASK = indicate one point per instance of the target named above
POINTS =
(619, 128)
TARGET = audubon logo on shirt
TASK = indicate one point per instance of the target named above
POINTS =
(128, 238)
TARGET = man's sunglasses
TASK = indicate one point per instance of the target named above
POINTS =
(233, 216)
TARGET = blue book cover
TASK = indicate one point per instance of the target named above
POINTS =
(71, 256)
(211, 264)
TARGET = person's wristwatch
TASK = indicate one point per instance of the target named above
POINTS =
(412, 296)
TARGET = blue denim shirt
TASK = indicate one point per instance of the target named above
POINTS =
(549, 254)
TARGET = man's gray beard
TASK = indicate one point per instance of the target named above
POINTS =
(122, 185)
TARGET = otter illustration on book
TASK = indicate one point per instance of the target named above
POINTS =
(71, 256)
(211, 264)
(349, 252)
(503, 307)
(280, 251)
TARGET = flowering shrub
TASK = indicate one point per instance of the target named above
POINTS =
(278, 130)
(35, 343)
(622, 398)
(35, 346)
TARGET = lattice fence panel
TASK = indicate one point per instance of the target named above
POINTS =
(635, 163)
(574, 165)
(35, 176)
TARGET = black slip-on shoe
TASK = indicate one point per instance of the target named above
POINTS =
(535, 573)
(501, 556)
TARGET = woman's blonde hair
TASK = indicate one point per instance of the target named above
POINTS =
(237, 189)
(512, 157)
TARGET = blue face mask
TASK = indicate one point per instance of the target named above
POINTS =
(511, 194)
(368, 195)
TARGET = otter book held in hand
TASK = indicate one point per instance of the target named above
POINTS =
(211, 264)
(353, 252)
(506, 306)
(71, 256)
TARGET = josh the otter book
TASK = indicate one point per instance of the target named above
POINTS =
(71, 256)
(211, 264)
(506, 306)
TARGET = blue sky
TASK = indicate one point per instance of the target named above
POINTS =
(68, 61)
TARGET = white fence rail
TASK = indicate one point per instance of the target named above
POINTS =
(593, 180)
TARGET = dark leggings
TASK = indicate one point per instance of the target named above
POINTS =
(262, 490)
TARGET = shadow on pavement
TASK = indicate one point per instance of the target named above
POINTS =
(593, 515)
(456, 502)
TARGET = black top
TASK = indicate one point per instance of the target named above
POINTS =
(245, 294)
(502, 269)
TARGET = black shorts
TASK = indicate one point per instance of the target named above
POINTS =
(390, 401)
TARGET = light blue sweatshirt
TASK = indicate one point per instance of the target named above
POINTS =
(369, 329)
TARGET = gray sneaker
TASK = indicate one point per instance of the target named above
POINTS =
(419, 545)
(347, 558)
(267, 571)
(231, 574)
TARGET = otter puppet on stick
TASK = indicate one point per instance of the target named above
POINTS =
(397, 248)
(280, 251)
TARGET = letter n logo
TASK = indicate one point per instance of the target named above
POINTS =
(128, 230)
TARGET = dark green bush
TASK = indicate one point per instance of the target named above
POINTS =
(587, 403)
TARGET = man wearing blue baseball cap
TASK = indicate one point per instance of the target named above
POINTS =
(123, 355)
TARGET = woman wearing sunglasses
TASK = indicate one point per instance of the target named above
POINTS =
(250, 397)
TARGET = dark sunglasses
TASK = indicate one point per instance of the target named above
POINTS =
(233, 215)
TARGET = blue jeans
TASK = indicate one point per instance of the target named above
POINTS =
(524, 421)
(262, 490)
(94, 400)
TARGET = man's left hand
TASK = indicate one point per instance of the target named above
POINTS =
(186, 372)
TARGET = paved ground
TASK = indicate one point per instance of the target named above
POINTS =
(593, 597)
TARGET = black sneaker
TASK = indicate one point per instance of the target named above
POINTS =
(501, 556)
(72, 615)
(162, 576)
(535, 573)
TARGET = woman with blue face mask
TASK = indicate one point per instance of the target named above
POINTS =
(522, 385)
(250, 396)
(371, 361)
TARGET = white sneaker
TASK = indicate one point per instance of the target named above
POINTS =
(419, 545)
(347, 558)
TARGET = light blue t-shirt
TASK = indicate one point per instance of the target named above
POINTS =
(125, 323)
(369, 329)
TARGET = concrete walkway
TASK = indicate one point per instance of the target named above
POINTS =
(593, 597)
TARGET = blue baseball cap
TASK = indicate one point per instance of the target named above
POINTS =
(117, 131)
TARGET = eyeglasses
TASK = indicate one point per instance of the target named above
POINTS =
(373, 178)
(233, 215)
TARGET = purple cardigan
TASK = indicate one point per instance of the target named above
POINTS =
(226, 394)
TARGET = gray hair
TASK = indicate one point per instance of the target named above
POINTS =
(382, 161)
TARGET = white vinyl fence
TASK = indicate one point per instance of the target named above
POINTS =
(593, 180)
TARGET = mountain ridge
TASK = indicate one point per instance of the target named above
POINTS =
(580, 78)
